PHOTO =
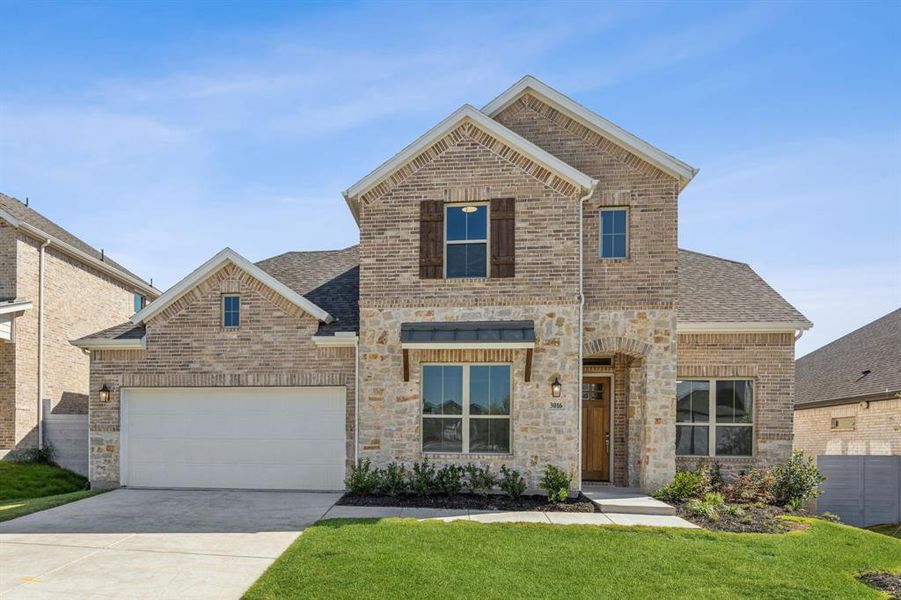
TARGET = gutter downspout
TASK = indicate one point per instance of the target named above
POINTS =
(581, 330)
(40, 411)
(357, 400)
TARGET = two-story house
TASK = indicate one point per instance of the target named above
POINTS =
(517, 297)
(53, 287)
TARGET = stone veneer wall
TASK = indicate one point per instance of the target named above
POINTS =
(766, 358)
(877, 429)
(391, 409)
(188, 347)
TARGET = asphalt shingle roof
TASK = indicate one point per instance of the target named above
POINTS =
(713, 289)
(26, 214)
(123, 331)
(836, 371)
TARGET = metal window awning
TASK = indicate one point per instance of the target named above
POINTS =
(468, 335)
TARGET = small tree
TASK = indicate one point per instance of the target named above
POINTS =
(797, 480)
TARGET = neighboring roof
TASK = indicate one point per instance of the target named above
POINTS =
(17, 213)
(328, 278)
(465, 113)
(455, 333)
(528, 84)
(836, 371)
(124, 335)
(716, 293)
(224, 256)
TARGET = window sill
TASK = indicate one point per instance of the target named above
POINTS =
(468, 454)
(714, 457)
(614, 260)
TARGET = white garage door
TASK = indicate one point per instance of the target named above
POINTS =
(251, 438)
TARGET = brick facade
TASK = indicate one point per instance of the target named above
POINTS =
(876, 429)
(188, 347)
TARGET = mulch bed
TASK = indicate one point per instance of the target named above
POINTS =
(473, 502)
(756, 519)
(884, 582)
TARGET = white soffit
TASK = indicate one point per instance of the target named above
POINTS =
(742, 326)
(211, 266)
(669, 164)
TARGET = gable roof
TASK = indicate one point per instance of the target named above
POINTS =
(834, 374)
(464, 114)
(214, 264)
(721, 294)
(21, 216)
(529, 85)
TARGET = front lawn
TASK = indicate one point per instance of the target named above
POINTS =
(27, 487)
(894, 529)
(406, 558)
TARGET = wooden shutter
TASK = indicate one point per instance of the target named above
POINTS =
(503, 237)
(431, 239)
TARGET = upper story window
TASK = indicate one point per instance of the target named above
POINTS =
(614, 233)
(714, 424)
(466, 241)
(231, 311)
(139, 302)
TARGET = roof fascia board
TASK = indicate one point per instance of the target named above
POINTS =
(15, 307)
(212, 265)
(467, 345)
(130, 344)
(80, 255)
(874, 397)
(668, 163)
(482, 121)
(741, 326)
(335, 341)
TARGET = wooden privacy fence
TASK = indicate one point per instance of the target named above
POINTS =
(861, 490)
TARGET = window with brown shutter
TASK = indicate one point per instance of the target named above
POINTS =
(431, 239)
(503, 237)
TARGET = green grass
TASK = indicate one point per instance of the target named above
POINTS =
(29, 487)
(893, 529)
(406, 558)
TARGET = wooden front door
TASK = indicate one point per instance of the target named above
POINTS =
(596, 429)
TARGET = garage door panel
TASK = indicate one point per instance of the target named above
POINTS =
(267, 438)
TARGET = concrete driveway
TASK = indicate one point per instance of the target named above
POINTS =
(153, 543)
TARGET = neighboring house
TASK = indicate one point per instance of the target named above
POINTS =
(53, 287)
(518, 299)
(848, 393)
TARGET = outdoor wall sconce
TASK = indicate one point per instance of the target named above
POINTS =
(104, 393)
(556, 388)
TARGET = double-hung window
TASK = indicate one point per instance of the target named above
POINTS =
(466, 241)
(466, 408)
(231, 311)
(714, 417)
(614, 233)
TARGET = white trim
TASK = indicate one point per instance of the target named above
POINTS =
(80, 254)
(712, 424)
(14, 307)
(742, 326)
(482, 121)
(335, 341)
(486, 241)
(110, 344)
(660, 159)
(466, 345)
(222, 309)
(211, 266)
(601, 212)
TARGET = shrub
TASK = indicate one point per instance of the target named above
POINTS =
(479, 480)
(423, 479)
(686, 484)
(43, 455)
(393, 479)
(793, 505)
(831, 517)
(734, 509)
(512, 483)
(797, 480)
(362, 479)
(556, 482)
(714, 499)
(753, 487)
(449, 479)
(700, 508)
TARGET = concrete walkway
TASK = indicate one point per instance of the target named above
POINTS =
(625, 500)
(153, 543)
(554, 518)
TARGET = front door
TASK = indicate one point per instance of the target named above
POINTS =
(596, 429)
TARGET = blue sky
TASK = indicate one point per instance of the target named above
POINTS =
(165, 131)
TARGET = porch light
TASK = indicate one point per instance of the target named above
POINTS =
(556, 388)
(470, 209)
(104, 393)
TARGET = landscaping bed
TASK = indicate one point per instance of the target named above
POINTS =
(474, 502)
(740, 518)
(884, 582)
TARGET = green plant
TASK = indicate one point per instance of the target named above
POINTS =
(393, 479)
(686, 484)
(796, 480)
(449, 479)
(556, 482)
(512, 482)
(755, 486)
(714, 499)
(479, 480)
(735, 510)
(831, 517)
(700, 508)
(362, 479)
(794, 504)
(423, 479)
(43, 455)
